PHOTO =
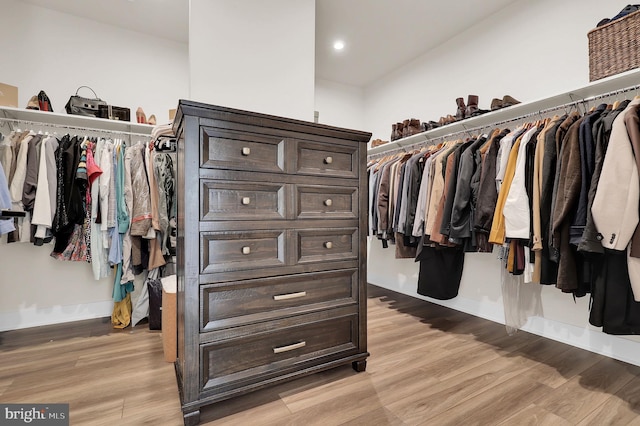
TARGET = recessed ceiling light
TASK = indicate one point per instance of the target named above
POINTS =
(338, 45)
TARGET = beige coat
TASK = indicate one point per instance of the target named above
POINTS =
(615, 206)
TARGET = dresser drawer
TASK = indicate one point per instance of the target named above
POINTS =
(255, 357)
(222, 200)
(241, 250)
(318, 245)
(326, 160)
(230, 149)
(326, 202)
(249, 301)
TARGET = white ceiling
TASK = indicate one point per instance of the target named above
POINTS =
(380, 35)
(161, 18)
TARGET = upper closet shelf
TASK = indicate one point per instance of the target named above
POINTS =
(74, 121)
(597, 88)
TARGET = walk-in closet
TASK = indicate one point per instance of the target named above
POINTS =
(324, 212)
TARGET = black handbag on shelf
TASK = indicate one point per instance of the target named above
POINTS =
(114, 113)
(89, 107)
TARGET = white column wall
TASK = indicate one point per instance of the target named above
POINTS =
(254, 55)
(57, 52)
(530, 50)
(339, 105)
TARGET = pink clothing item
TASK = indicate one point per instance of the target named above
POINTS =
(93, 170)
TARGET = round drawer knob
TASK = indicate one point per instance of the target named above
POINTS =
(328, 202)
(246, 201)
(328, 244)
(246, 151)
(328, 160)
(246, 250)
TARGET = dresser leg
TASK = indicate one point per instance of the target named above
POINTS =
(192, 418)
(359, 366)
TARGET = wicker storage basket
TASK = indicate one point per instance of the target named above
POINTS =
(614, 47)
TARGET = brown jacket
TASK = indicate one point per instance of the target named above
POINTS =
(569, 181)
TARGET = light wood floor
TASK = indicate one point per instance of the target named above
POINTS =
(429, 365)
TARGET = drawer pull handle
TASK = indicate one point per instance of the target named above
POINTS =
(289, 347)
(246, 151)
(289, 295)
(246, 201)
(328, 244)
(328, 202)
(328, 160)
(246, 250)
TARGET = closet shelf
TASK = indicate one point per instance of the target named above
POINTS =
(75, 121)
(594, 89)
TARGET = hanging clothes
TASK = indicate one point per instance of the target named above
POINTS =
(6, 225)
(487, 189)
(99, 257)
(556, 196)
(80, 193)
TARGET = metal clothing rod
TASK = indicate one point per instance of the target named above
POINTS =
(63, 126)
(541, 113)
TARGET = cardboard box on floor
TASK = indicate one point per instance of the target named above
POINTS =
(8, 95)
(169, 319)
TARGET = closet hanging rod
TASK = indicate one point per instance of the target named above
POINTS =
(574, 103)
(63, 126)
(478, 129)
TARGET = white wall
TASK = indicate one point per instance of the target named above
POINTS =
(56, 52)
(339, 104)
(254, 55)
(530, 50)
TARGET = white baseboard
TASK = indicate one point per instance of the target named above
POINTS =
(596, 341)
(34, 317)
(611, 346)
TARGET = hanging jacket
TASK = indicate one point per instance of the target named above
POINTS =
(463, 204)
(587, 166)
(141, 211)
(516, 206)
(615, 206)
(590, 241)
(6, 226)
(497, 235)
(568, 193)
(44, 206)
(69, 196)
(99, 262)
(487, 192)
(30, 185)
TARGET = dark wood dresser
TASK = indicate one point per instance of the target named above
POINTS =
(271, 260)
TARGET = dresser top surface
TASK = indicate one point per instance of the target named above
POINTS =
(216, 112)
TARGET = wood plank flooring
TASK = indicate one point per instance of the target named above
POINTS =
(429, 365)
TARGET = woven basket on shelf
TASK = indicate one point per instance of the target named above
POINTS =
(614, 47)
